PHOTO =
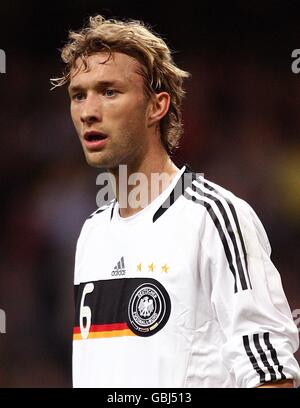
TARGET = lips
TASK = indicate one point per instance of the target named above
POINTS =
(93, 136)
(94, 140)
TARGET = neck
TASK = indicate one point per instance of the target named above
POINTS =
(137, 185)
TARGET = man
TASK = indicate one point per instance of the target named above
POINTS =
(179, 291)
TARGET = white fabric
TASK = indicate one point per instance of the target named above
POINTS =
(203, 342)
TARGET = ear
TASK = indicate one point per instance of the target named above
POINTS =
(158, 108)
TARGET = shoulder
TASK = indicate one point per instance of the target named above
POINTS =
(226, 211)
(209, 194)
(102, 209)
(101, 216)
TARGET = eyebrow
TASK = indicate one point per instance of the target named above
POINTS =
(98, 84)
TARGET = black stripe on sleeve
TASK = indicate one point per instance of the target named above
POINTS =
(273, 354)
(263, 357)
(262, 376)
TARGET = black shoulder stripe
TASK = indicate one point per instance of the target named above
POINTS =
(181, 188)
(112, 209)
(170, 200)
(234, 214)
(229, 229)
(220, 231)
(101, 209)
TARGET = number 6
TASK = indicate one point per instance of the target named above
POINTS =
(85, 311)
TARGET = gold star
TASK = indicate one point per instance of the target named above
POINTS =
(165, 268)
(151, 267)
(139, 267)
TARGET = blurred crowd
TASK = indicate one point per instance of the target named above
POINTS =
(242, 130)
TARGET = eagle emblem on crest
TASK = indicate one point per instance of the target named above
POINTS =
(146, 306)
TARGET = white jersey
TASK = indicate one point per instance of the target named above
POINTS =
(181, 294)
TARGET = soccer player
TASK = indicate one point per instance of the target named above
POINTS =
(178, 290)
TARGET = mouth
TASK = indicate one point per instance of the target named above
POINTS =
(94, 140)
(94, 136)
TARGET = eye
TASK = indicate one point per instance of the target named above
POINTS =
(78, 96)
(110, 92)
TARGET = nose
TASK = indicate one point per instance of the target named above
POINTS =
(91, 110)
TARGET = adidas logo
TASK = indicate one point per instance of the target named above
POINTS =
(119, 269)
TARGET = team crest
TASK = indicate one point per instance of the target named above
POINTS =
(149, 309)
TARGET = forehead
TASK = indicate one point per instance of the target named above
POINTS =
(105, 67)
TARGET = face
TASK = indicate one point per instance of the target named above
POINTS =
(109, 109)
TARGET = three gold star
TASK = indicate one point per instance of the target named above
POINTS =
(164, 268)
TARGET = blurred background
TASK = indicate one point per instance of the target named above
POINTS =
(242, 126)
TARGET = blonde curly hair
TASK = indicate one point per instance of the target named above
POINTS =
(133, 38)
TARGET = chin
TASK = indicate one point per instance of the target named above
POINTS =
(95, 163)
(95, 160)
